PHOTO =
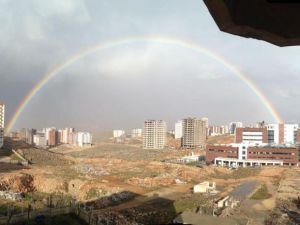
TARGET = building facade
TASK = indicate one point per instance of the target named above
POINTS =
(26, 135)
(154, 134)
(282, 133)
(39, 139)
(118, 133)
(178, 129)
(65, 135)
(245, 154)
(136, 133)
(53, 138)
(194, 132)
(251, 135)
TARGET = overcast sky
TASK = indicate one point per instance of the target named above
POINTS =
(120, 87)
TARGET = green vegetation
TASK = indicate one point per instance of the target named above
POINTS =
(237, 174)
(276, 181)
(192, 202)
(93, 193)
(262, 193)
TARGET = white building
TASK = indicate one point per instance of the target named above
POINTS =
(39, 139)
(118, 133)
(234, 125)
(154, 134)
(83, 139)
(47, 132)
(178, 129)
(136, 133)
(282, 133)
(2, 124)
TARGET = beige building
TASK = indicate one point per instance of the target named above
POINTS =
(204, 187)
(194, 132)
(2, 117)
(154, 134)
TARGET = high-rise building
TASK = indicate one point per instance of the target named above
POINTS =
(234, 125)
(193, 132)
(65, 137)
(136, 133)
(39, 139)
(53, 138)
(154, 134)
(282, 133)
(27, 135)
(118, 133)
(2, 124)
(178, 129)
(84, 139)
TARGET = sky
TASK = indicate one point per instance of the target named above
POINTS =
(121, 86)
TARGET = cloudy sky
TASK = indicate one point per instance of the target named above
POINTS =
(121, 86)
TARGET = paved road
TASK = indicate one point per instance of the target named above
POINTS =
(244, 190)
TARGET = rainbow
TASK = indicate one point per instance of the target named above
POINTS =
(118, 42)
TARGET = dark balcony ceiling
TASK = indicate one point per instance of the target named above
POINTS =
(271, 21)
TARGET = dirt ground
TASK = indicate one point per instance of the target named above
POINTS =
(105, 169)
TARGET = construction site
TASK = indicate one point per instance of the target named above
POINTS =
(112, 183)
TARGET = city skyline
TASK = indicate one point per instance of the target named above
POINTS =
(120, 85)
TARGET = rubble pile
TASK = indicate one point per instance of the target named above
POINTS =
(113, 218)
(111, 200)
(91, 170)
(10, 195)
(133, 216)
(148, 182)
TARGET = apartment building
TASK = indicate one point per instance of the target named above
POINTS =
(136, 133)
(26, 135)
(39, 139)
(154, 134)
(234, 125)
(53, 138)
(194, 132)
(178, 129)
(118, 133)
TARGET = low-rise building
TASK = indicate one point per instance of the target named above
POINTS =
(245, 154)
(205, 187)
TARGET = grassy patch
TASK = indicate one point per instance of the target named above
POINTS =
(192, 202)
(276, 180)
(237, 174)
(262, 193)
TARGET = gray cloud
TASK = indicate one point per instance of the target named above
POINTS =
(122, 86)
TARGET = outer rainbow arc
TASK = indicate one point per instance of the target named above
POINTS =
(168, 41)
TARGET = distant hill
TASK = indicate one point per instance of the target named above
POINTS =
(222, 139)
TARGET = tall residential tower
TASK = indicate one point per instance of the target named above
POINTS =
(154, 134)
(194, 132)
